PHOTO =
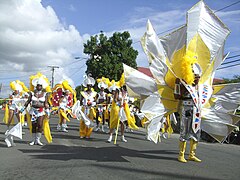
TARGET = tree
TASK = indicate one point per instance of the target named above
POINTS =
(108, 54)
(236, 79)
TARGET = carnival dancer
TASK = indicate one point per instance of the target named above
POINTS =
(39, 106)
(14, 107)
(197, 45)
(63, 106)
(101, 102)
(16, 104)
(188, 112)
(88, 103)
(115, 114)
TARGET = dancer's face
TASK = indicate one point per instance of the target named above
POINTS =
(197, 78)
(39, 87)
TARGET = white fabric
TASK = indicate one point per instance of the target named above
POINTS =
(40, 81)
(16, 131)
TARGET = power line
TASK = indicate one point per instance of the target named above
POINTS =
(230, 62)
(181, 25)
(227, 6)
(77, 70)
(229, 66)
(233, 56)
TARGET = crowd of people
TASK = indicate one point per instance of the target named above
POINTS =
(107, 106)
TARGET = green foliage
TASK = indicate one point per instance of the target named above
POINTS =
(78, 91)
(108, 54)
(236, 79)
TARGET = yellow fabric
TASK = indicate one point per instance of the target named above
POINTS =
(6, 116)
(106, 113)
(168, 99)
(29, 122)
(167, 126)
(84, 131)
(130, 119)
(92, 114)
(122, 80)
(60, 118)
(21, 118)
(46, 130)
(197, 46)
(64, 115)
(114, 115)
(143, 121)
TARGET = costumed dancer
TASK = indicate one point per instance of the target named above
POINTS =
(114, 113)
(63, 111)
(200, 41)
(101, 102)
(131, 122)
(39, 108)
(13, 104)
(14, 107)
(87, 102)
(188, 111)
(68, 98)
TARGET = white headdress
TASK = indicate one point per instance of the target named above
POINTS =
(40, 81)
(114, 86)
(88, 80)
(16, 86)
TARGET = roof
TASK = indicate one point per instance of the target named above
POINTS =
(145, 71)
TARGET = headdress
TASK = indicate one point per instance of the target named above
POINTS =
(39, 79)
(88, 80)
(113, 86)
(18, 85)
(103, 82)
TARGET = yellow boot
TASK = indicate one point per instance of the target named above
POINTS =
(182, 147)
(193, 147)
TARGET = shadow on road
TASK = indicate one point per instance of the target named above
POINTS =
(101, 154)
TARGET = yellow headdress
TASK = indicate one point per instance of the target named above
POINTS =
(103, 82)
(18, 85)
(189, 65)
(66, 86)
(113, 85)
(39, 78)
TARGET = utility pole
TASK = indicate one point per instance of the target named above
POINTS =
(53, 69)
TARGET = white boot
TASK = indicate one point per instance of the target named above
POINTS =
(103, 128)
(34, 139)
(110, 138)
(11, 141)
(64, 128)
(38, 137)
(123, 139)
(59, 127)
(97, 128)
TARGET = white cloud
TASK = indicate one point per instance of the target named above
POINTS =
(32, 38)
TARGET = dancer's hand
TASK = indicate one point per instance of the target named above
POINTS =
(22, 109)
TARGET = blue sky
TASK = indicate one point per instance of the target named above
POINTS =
(39, 33)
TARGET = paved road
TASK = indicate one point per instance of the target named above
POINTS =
(70, 157)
